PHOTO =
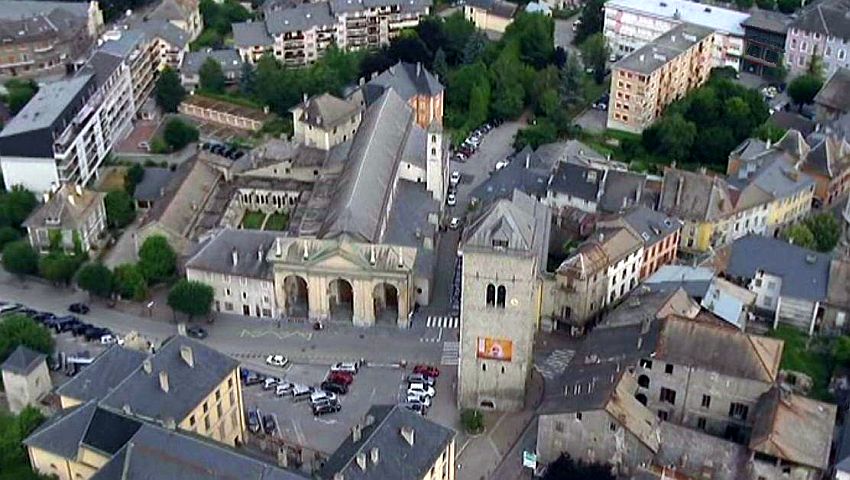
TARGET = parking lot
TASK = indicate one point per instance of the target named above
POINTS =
(377, 385)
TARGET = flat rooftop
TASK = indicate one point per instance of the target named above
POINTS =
(716, 18)
(663, 49)
(47, 105)
(227, 107)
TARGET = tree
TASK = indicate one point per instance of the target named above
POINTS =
(19, 93)
(120, 209)
(19, 258)
(675, 137)
(135, 174)
(571, 90)
(472, 420)
(169, 91)
(826, 231)
(766, 4)
(841, 350)
(788, 6)
(211, 76)
(592, 17)
(800, 235)
(129, 282)
(535, 34)
(14, 462)
(8, 235)
(18, 330)
(246, 80)
(191, 297)
(58, 267)
(157, 260)
(16, 205)
(594, 54)
(803, 89)
(769, 131)
(96, 279)
(744, 4)
(534, 136)
(565, 468)
(178, 134)
(474, 48)
(440, 66)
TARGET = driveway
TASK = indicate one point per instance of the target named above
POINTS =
(592, 120)
(564, 34)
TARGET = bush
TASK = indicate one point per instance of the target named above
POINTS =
(21, 330)
(14, 463)
(96, 279)
(58, 267)
(19, 258)
(472, 420)
(157, 260)
(178, 134)
(8, 235)
(120, 209)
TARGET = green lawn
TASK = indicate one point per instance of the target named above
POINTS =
(811, 356)
(253, 220)
(277, 221)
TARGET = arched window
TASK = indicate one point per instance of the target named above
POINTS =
(641, 398)
(643, 381)
(500, 297)
(491, 295)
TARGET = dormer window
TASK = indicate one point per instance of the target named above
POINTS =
(500, 243)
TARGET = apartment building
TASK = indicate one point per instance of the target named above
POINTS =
(503, 253)
(46, 38)
(657, 74)
(184, 385)
(71, 218)
(68, 128)
(821, 29)
(659, 233)
(765, 33)
(299, 35)
(631, 24)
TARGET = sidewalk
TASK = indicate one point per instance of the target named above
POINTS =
(492, 453)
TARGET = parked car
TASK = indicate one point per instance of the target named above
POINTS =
(284, 388)
(43, 317)
(80, 329)
(454, 223)
(277, 361)
(420, 378)
(269, 424)
(417, 407)
(502, 164)
(421, 389)
(301, 392)
(420, 399)
(270, 383)
(319, 395)
(110, 339)
(344, 378)
(349, 367)
(253, 379)
(27, 311)
(327, 406)
(254, 421)
(9, 307)
(95, 333)
(454, 179)
(67, 325)
(452, 199)
(427, 370)
(336, 388)
(80, 308)
(197, 332)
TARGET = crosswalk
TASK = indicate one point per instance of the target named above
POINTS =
(442, 322)
(555, 363)
(451, 353)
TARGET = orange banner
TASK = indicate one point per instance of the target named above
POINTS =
(495, 348)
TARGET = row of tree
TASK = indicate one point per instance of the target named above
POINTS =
(218, 20)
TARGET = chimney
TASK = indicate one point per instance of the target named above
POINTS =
(362, 81)
(339, 476)
(163, 381)
(407, 433)
(146, 366)
(372, 258)
(126, 409)
(304, 98)
(79, 190)
(361, 460)
(260, 253)
(355, 433)
(277, 249)
(373, 454)
(370, 419)
(71, 200)
(235, 256)
(680, 183)
(186, 355)
(418, 68)
(768, 144)
(45, 197)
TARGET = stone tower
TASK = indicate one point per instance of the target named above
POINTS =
(437, 165)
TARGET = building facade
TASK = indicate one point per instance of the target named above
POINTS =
(765, 34)
(810, 35)
(659, 73)
(503, 253)
(72, 219)
(26, 379)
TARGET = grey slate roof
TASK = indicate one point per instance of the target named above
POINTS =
(327, 111)
(358, 205)
(622, 190)
(108, 432)
(522, 221)
(157, 453)
(515, 176)
(577, 181)
(104, 374)
(229, 60)
(103, 65)
(398, 460)
(700, 455)
(14, 10)
(793, 120)
(302, 17)
(805, 273)
(187, 385)
(407, 79)
(165, 30)
(768, 20)
(251, 34)
(22, 360)
(217, 254)
(658, 52)
(652, 225)
(828, 17)
(62, 433)
(694, 196)
(499, 8)
(152, 186)
(834, 93)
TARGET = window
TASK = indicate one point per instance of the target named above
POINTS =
(668, 396)
(192, 421)
(663, 415)
(206, 407)
(647, 364)
(706, 401)
(218, 394)
(841, 54)
(612, 426)
(228, 306)
(499, 243)
(559, 427)
(491, 295)
(226, 292)
(500, 296)
(738, 411)
(578, 416)
(668, 369)
(701, 423)
(483, 367)
(231, 396)
(207, 423)
(218, 410)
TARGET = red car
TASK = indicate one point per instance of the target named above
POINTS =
(341, 378)
(427, 370)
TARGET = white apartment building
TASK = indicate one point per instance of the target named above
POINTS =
(631, 24)
(624, 249)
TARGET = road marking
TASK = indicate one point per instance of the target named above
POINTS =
(280, 335)
(451, 353)
(442, 322)
(555, 363)
(326, 422)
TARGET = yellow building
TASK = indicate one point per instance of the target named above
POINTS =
(490, 15)
(703, 204)
(185, 385)
(654, 76)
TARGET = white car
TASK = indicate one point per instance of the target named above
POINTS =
(277, 361)
(320, 395)
(419, 399)
(451, 200)
(284, 388)
(501, 164)
(347, 367)
(454, 223)
(270, 383)
(420, 389)
(454, 179)
(111, 339)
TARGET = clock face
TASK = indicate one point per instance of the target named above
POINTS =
(514, 302)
